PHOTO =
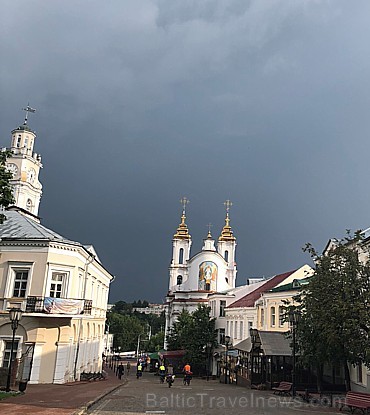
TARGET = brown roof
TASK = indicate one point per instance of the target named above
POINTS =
(249, 299)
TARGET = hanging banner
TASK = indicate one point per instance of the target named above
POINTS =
(63, 306)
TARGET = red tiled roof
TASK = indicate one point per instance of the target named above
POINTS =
(249, 299)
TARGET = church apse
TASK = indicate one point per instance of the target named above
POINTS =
(207, 276)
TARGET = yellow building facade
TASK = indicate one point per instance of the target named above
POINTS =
(60, 285)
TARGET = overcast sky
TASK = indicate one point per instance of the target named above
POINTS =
(141, 102)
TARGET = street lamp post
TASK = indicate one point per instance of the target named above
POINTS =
(15, 315)
(227, 342)
(293, 320)
(254, 334)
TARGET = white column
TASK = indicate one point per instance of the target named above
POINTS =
(36, 363)
(61, 362)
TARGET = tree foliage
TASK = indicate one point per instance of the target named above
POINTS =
(335, 308)
(6, 190)
(192, 332)
(127, 326)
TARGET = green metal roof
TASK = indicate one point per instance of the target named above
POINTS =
(294, 285)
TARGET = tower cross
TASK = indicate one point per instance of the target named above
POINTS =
(28, 109)
(228, 205)
(209, 226)
(184, 201)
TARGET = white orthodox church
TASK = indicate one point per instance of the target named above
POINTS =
(193, 279)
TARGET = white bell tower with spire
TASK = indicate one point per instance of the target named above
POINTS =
(227, 246)
(25, 166)
(181, 244)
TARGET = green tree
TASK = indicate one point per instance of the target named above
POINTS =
(192, 332)
(155, 343)
(126, 330)
(180, 332)
(203, 332)
(335, 321)
(6, 189)
(122, 307)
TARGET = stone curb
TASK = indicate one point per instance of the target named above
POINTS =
(89, 404)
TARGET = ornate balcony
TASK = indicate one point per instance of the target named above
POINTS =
(51, 305)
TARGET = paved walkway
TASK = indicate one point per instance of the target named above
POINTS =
(67, 399)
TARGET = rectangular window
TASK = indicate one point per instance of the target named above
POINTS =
(273, 316)
(20, 283)
(359, 374)
(7, 350)
(222, 336)
(250, 326)
(222, 308)
(241, 330)
(19, 141)
(262, 317)
(57, 284)
(281, 316)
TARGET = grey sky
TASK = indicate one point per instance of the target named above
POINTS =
(141, 102)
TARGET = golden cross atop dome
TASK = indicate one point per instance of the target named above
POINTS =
(228, 205)
(182, 231)
(209, 226)
(184, 201)
(227, 233)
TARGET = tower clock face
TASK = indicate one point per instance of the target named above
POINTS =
(31, 175)
(12, 168)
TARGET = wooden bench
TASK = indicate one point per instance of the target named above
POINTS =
(284, 388)
(356, 400)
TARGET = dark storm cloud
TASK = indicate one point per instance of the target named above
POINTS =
(141, 102)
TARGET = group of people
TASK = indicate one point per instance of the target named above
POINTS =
(120, 370)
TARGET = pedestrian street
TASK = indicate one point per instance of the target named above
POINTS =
(147, 396)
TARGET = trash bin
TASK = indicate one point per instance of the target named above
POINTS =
(22, 385)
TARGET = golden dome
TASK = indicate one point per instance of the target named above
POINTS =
(182, 231)
(227, 233)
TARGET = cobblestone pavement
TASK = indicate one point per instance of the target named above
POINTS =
(66, 399)
(148, 396)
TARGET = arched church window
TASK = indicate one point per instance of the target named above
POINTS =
(227, 256)
(181, 256)
(208, 286)
(29, 205)
(179, 279)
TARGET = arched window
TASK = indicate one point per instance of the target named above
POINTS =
(29, 205)
(227, 256)
(262, 316)
(179, 279)
(181, 256)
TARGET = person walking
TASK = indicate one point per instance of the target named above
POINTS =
(128, 367)
(120, 371)
(139, 371)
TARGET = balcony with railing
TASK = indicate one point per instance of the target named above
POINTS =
(56, 306)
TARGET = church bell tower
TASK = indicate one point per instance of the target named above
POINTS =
(25, 166)
(181, 244)
(227, 246)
